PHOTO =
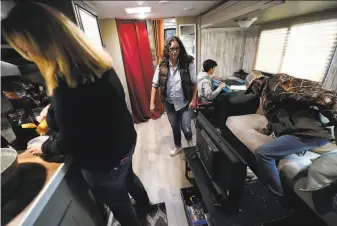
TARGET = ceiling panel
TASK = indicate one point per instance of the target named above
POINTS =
(287, 10)
(116, 9)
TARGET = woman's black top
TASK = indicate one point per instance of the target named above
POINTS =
(93, 121)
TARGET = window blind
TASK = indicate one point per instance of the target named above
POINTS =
(301, 50)
(271, 50)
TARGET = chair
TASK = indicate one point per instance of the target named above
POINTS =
(206, 107)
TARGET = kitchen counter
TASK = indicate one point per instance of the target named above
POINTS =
(53, 174)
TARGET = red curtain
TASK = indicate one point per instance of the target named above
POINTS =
(139, 69)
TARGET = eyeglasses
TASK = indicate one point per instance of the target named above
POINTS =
(172, 50)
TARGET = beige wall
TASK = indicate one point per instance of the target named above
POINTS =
(229, 47)
(198, 43)
(300, 19)
(251, 39)
(185, 20)
(112, 46)
(225, 46)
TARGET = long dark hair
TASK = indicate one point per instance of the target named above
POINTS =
(184, 58)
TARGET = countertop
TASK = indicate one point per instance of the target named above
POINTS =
(53, 174)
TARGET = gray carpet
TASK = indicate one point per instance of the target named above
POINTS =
(157, 216)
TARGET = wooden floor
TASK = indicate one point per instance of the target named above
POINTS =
(162, 175)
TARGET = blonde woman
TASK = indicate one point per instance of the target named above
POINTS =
(95, 126)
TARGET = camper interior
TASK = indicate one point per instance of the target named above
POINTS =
(209, 183)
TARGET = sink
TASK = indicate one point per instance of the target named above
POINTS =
(32, 177)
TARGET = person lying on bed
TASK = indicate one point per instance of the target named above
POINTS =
(292, 107)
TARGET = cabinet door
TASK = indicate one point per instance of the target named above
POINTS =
(74, 216)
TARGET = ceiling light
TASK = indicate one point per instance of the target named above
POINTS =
(140, 2)
(141, 15)
(245, 22)
(136, 10)
(188, 9)
(163, 2)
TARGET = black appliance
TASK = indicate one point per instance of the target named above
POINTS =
(16, 119)
(22, 93)
(22, 101)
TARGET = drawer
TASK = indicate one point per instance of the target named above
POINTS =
(194, 207)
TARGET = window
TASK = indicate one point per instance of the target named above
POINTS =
(302, 50)
(271, 50)
(90, 26)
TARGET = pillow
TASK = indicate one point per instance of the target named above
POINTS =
(325, 149)
(322, 172)
(246, 129)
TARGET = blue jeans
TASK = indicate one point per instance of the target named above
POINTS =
(180, 120)
(277, 149)
(113, 189)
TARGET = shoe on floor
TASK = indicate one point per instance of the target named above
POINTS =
(190, 143)
(176, 151)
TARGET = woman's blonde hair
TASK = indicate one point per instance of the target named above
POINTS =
(55, 44)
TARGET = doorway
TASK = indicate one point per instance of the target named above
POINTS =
(188, 37)
(169, 28)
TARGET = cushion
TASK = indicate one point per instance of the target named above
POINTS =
(246, 127)
(326, 148)
(293, 167)
(322, 172)
(321, 201)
